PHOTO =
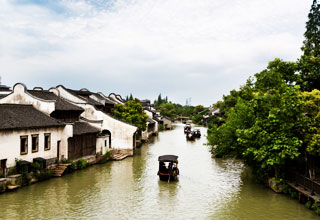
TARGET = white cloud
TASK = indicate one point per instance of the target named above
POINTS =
(199, 49)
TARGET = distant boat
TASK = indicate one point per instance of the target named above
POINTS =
(197, 133)
(187, 128)
(190, 136)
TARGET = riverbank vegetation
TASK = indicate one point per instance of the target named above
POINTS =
(273, 120)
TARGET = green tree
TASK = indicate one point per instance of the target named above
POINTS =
(132, 113)
(223, 138)
(160, 101)
(309, 63)
(169, 109)
(311, 44)
(262, 122)
(274, 137)
(309, 68)
(277, 72)
(310, 131)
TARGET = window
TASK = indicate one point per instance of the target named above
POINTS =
(35, 143)
(47, 141)
(23, 145)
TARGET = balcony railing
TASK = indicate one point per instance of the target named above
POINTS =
(305, 182)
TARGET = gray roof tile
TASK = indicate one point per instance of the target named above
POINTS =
(17, 117)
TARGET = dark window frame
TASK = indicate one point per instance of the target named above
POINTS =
(36, 143)
(24, 137)
(47, 142)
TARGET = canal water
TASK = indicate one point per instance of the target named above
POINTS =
(207, 188)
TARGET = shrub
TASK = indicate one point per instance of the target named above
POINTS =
(293, 194)
(318, 211)
(12, 171)
(26, 179)
(66, 161)
(81, 164)
(315, 206)
(35, 166)
(106, 157)
(44, 175)
(73, 166)
(286, 189)
(308, 204)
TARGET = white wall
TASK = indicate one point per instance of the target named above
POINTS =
(156, 127)
(145, 134)
(167, 122)
(102, 144)
(150, 115)
(10, 144)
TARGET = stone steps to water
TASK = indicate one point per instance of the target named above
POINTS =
(13, 187)
(59, 169)
(119, 156)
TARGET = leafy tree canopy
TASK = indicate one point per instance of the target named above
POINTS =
(132, 113)
(311, 121)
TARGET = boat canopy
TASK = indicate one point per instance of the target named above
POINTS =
(168, 158)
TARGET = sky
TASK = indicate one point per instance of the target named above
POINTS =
(197, 49)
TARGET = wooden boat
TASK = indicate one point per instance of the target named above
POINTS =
(168, 167)
(190, 136)
(187, 129)
(197, 133)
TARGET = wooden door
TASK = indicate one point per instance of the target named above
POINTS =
(58, 150)
(3, 167)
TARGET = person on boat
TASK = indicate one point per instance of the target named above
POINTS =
(162, 168)
(170, 168)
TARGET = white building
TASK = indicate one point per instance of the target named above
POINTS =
(167, 123)
(152, 127)
(122, 134)
(26, 134)
(81, 141)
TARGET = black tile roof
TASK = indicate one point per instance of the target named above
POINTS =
(93, 102)
(17, 117)
(61, 104)
(116, 98)
(107, 101)
(4, 88)
(85, 95)
(80, 128)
